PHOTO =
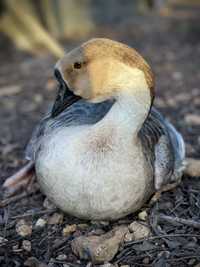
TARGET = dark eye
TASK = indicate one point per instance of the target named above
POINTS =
(77, 65)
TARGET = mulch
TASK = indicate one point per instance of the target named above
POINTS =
(172, 48)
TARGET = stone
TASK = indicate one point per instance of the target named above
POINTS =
(99, 249)
(61, 257)
(192, 167)
(56, 218)
(40, 223)
(23, 228)
(69, 229)
(139, 230)
(143, 215)
(26, 245)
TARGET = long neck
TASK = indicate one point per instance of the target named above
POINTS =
(128, 113)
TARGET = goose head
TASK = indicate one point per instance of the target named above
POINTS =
(102, 69)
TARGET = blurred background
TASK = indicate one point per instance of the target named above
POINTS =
(35, 34)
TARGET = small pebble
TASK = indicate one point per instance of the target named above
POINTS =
(61, 257)
(69, 229)
(100, 249)
(143, 215)
(146, 260)
(56, 218)
(139, 230)
(23, 228)
(26, 245)
(40, 223)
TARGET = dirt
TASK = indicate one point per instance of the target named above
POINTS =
(27, 89)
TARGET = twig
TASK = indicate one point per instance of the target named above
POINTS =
(16, 198)
(160, 237)
(35, 213)
(175, 220)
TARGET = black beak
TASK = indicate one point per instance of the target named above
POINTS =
(64, 98)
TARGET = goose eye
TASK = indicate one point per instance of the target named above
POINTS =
(77, 65)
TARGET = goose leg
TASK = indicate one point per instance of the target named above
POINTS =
(20, 180)
(165, 188)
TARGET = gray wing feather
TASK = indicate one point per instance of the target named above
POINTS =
(80, 113)
(163, 147)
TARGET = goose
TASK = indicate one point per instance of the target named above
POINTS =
(103, 150)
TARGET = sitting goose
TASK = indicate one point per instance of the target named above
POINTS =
(104, 150)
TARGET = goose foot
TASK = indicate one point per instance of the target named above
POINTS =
(22, 179)
(165, 188)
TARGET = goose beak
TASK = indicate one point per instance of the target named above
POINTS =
(65, 97)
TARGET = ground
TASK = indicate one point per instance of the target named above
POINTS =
(27, 89)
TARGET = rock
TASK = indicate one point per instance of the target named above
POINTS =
(40, 223)
(146, 260)
(26, 245)
(99, 249)
(139, 230)
(69, 229)
(192, 167)
(56, 218)
(143, 215)
(61, 257)
(23, 228)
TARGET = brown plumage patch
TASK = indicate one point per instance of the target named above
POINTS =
(122, 53)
